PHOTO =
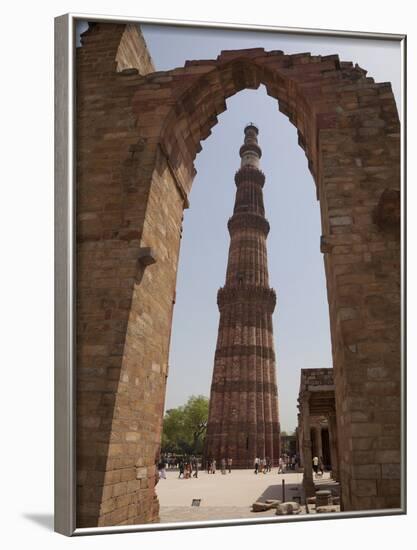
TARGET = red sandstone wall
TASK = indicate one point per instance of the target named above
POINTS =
(123, 317)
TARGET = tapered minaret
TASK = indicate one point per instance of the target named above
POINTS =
(243, 416)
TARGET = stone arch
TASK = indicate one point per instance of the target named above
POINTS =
(138, 133)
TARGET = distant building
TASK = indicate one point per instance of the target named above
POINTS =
(289, 444)
(317, 430)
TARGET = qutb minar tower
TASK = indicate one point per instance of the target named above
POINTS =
(243, 415)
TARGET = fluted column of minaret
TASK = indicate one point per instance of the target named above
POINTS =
(243, 415)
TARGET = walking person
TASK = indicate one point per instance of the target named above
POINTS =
(213, 466)
(181, 469)
(257, 463)
(195, 466)
(223, 465)
(280, 465)
(316, 464)
(161, 469)
(268, 464)
(321, 466)
(209, 466)
(229, 465)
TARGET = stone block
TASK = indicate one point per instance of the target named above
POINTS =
(323, 498)
(366, 429)
(260, 507)
(327, 509)
(273, 503)
(119, 489)
(340, 220)
(288, 508)
(366, 471)
(364, 488)
(107, 506)
(388, 456)
(389, 487)
(391, 471)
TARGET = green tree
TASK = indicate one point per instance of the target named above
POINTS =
(184, 427)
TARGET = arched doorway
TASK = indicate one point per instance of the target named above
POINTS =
(138, 136)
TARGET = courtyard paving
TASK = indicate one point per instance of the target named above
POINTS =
(227, 496)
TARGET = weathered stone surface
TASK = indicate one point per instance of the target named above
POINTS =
(273, 501)
(267, 505)
(288, 508)
(243, 415)
(323, 498)
(327, 509)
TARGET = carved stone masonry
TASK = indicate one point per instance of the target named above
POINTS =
(243, 417)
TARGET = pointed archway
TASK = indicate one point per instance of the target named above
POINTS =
(138, 135)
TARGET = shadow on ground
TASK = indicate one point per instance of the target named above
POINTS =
(292, 492)
(44, 520)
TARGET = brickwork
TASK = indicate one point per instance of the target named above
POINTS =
(243, 416)
(123, 318)
(138, 133)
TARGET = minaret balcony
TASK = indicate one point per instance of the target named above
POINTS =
(247, 220)
(247, 294)
(249, 173)
(250, 147)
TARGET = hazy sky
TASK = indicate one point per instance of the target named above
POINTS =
(301, 318)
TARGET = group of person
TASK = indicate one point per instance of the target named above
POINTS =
(172, 462)
(225, 465)
(285, 463)
(262, 465)
(189, 467)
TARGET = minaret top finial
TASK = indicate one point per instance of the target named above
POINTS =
(252, 126)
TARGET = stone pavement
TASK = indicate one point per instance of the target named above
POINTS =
(227, 496)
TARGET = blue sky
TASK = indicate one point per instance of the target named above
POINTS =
(301, 320)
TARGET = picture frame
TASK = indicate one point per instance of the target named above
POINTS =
(66, 280)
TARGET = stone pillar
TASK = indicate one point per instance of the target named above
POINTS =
(319, 445)
(308, 459)
(300, 436)
(333, 446)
